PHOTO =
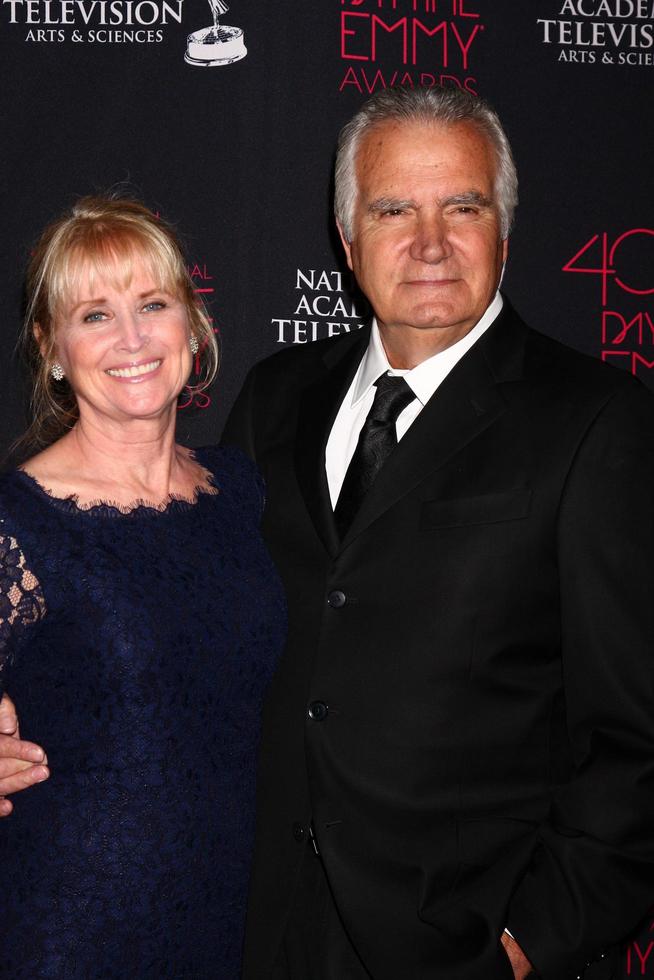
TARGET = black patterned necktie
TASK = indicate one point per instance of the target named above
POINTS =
(377, 440)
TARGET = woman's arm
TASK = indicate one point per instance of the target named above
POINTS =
(22, 764)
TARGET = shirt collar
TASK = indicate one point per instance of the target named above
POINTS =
(425, 378)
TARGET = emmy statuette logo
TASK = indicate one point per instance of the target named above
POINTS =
(215, 45)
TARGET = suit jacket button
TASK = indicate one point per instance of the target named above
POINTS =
(299, 833)
(318, 711)
(336, 599)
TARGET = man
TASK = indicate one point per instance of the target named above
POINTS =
(456, 778)
(22, 764)
(462, 723)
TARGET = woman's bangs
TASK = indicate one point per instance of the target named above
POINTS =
(111, 260)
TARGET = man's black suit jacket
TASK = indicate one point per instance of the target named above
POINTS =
(480, 650)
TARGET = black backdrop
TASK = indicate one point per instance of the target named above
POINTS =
(96, 93)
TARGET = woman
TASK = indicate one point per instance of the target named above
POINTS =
(140, 621)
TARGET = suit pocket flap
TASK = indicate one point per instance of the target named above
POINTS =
(489, 508)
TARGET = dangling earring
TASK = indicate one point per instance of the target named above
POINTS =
(57, 371)
(194, 344)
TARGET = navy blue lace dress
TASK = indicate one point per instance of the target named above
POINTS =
(137, 647)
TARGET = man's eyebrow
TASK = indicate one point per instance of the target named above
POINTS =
(382, 204)
(389, 204)
(469, 197)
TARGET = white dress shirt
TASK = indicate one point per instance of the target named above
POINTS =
(423, 381)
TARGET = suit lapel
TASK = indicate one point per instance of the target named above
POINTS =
(319, 404)
(467, 402)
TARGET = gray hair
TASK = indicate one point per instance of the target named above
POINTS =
(445, 106)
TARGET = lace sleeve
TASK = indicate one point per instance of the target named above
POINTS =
(22, 602)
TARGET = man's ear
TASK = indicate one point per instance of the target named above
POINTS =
(346, 245)
(505, 252)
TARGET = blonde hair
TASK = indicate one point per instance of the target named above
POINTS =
(101, 237)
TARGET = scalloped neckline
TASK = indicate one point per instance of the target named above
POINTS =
(173, 503)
